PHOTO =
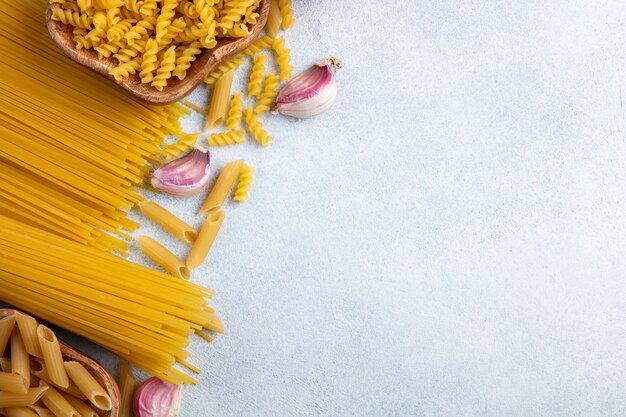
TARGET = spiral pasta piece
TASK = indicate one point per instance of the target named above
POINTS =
(75, 19)
(78, 36)
(168, 11)
(233, 121)
(149, 59)
(283, 57)
(258, 45)
(187, 8)
(84, 5)
(256, 75)
(164, 72)
(233, 12)
(126, 69)
(245, 183)
(287, 12)
(110, 4)
(174, 30)
(268, 95)
(75, 8)
(113, 16)
(239, 30)
(227, 138)
(230, 65)
(207, 16)
(117, 31)
(107, 49)
(131, 52)
(187, 56)
(256, 128)
(141, 29)
(149, 7)
(134, 5)
(251, 15)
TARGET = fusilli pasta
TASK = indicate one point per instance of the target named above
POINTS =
(227, 138)
(283, 57)
(187, 56)
(256, 75)
(148, 63)
(287, 12)
(268, 95)
(233, 121)
(164, 72)
(245, 183)
(256, 128)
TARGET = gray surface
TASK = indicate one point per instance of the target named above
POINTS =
(449, 240)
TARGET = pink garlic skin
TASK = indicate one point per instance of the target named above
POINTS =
(310, 93)
(155, 398)
(185, 176)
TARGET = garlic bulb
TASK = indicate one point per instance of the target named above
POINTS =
(155, 398)
(311, 92)
(185, 176)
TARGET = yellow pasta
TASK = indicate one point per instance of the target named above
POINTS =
(274, 19)
(41, 411)
(284, 58)
(83, 408)
(205, 240)
(52, 356)
(128, 385)
(57, 403)
(187, 56)
(233, 122)
(11, 400)
(268, 95)
(227, 138)
(28, 329)
(6, 327)
(20, 412)
(5, 364)
(149, 61)
(245, 183)
(12, 383)
(163, 257)
(164, 72)
(287, 13)
(19, 358)
(168, 221)
(222, 187)
(38, 371)
(256, 76)
(219, 100)
(88, 385)
(228, 66)
(255, 126)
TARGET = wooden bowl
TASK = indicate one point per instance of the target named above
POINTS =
(176, 89)
(101, 374)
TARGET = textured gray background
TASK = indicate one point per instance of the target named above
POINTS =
(449, 240)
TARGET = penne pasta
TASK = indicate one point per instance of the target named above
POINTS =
(19, 358)
(57, 403)
(163, 257)
(219, 100)
(20, 412)
(88, 385)
(222, 187)
(274, 19)
(28, 329)
(12, 383)
(10, 400)
(51, 352)
(42, 412)
(38, 370)
(128, 385)
(168, 221)
(205, 240)
(82, 407)
(6, 327)
(5, 364)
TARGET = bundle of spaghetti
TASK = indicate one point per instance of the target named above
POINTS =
(142, 315)
(72, 147)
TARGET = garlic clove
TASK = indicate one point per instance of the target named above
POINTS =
(310, 93)
(156, 398)
(185, 176)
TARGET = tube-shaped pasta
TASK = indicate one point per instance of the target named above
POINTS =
(274, 19)
(5, 364)
(42, 412)
(219, 100)
(20, 412)
(19, 358)
(128, 385)
(88, 385)
(12, 383)
(222, 187)
(38, 370)
(52, 356)
(82, 407)
(10, 400)
(6, 327)
(163, 257)
(168, 221)
(28, 328)
(205, 240)
(57, 403)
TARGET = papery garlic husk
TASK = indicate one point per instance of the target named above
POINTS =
(185, 176)
(156, 398)
(310, 93)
